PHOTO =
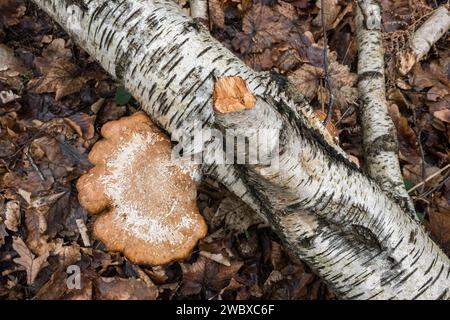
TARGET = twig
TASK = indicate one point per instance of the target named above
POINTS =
(83, 232)
(325, 65)
(33, 164)
(429, 178)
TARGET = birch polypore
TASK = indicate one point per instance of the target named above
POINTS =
(424, 38)
(150, 199)
(379, 133)
(327, 211)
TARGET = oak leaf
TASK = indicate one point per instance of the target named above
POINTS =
(28, 260)
(61, 77)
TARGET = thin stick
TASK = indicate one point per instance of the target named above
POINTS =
(33, 164)
(429, 178)
(325, 65)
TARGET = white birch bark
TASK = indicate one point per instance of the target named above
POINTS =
(199, 10)
(325, 209)
(430, 32)
(424, 38)
(379, 133)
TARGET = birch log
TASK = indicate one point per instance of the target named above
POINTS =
(326, 210)
(379, 133)
(436, 26)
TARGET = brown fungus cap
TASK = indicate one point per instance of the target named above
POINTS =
(150, 200)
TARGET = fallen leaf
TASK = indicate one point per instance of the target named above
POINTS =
(3, 234)
(406, 137)
(443, 115)
(12, 215)
(262, 27)
(61, 77)
(28, 260)
(11, 67)
(216, 13)
(83, 124)
(68, 255)
(439, 225)
(330, 13)
(124, 289)
(217, 257)
(236, 215)
(11, 11)
(405, 61)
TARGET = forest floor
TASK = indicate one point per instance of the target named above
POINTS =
(54, 99)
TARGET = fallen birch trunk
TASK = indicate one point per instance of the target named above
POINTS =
(327, 211)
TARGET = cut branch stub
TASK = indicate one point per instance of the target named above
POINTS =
(150, 200)
(231, 94)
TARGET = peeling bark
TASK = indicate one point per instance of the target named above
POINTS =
(326, 210)
(379, 133)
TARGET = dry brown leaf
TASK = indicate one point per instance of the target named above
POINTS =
(62, 78)
(306, 80)
(443, 115)
(231, 94)
(10, 67)
(68, 255)
(406, 136)
(83, 124)
(332, 9)
(55, 51)
(3, 234)
(124, 289)
(273, 278)
(236, 215)
(11, 11)
(405, 61)
(216, 13)
(343, 85)
(439, 226)
(28, 260)
(262, 27)
(12, 215)
(217, 257)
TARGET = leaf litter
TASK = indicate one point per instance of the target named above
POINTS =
(54, 99)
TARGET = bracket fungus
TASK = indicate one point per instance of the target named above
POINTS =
(149, 198)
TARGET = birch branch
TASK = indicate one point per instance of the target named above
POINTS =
(379, 133)
(199, 10)
(424, 38)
